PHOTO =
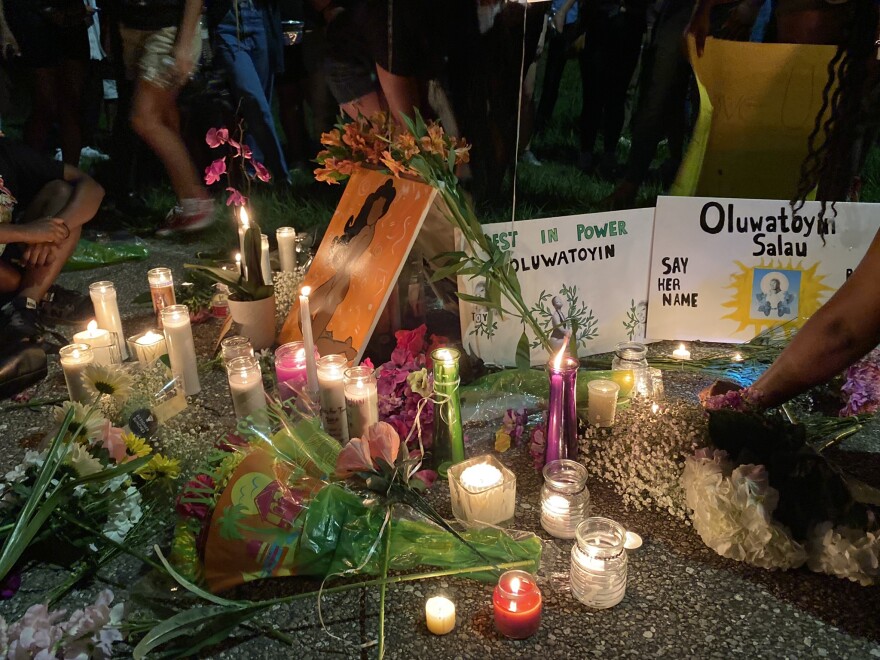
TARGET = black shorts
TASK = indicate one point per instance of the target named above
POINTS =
(349, 66)
(44, 42)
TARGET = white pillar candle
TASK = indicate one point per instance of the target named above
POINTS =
(103, 295)
(74, 359)
(330, 382)
(100, 341)
(361, 400)
(305, 317)
(286, 237)
(440, 615)
(148, 346)
(681, 353)
(243, 225)
(246, 385)
(181, 347)
(265, 264)
(602, 402)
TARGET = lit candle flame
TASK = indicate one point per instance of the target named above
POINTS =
(514, 585)
(149, 337)
(557, 361)
(737, 357)
(655, 408)
(681, 347)
(245, 220)
(238, 258)
(445, 356)
(305, 291)
(75, 354)
(92, 327)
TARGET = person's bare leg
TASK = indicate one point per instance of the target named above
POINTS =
(150, 120)
(36, 129)
(10, 278)
(402, 92)
(366, 105)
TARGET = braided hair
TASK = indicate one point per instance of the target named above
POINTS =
(848, 115)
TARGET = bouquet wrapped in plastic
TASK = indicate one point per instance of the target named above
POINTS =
(282, 499)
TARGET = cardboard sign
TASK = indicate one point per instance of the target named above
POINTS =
(758, 105)
(586, 274)
(727, 269)
(357, 265)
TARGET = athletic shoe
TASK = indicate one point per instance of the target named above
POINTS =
(192, 215)
(64, 306)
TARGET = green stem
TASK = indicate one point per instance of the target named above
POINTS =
(382, 591)
(33, 403)
(119, 546)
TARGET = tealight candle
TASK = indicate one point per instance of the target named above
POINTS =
(602, 402)
(74, 359)
(361, 400)
(332, 389)
(681, 353)
(181, 347)
(161, 290)
(265, 264)
(100, 341)
(148, 346)
(440, 615)
(737, 357)
(245, 385)
(517, 603)
(482, 490)
(286, 237)
(305, 318)
(103, 295)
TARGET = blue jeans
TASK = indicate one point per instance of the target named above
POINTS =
(244, 52)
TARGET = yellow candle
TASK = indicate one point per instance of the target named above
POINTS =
(440, 615)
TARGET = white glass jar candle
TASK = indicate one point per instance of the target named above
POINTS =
(602, 402)
(361, 400)
(235, 346)
(286, 237)
(181, 347)
(598, 563)
(148, 346)
(102, 342)
(245, 385)
(74, 359)
(330, 370)
(565, 499)
(482, 490)
(103, 295)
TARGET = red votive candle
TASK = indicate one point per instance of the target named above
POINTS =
(517, 601)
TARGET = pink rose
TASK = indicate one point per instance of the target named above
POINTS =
(111, 439)
(384, 442)
(216, 136)
(214, 171)
(354, 458)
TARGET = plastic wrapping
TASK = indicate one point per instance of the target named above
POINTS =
(266, 506)
(89, 254)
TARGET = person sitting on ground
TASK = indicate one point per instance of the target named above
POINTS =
(43, 206)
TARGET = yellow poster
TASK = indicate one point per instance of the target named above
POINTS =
(361, 256)
(758, 105)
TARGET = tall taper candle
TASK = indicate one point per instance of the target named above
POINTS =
(103, 295)
(181, 347)
(305, 317)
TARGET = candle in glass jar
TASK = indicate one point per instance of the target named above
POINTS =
(181, 347)
(161, 290)
(265, 264)
(235, 346)
(517, 603)
(330, 382)
(100, 341)
(440, 615)
(361, 400)
(245, 385)
(602, 402)
(103, 295)
(305, 318)
(74, 359)
(286, 237)
(290, 369)
(562, 439)
(148, 346)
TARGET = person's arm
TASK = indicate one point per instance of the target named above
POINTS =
(45, 230)
(85, 200)
(561, 13)
(186, 33)
(843, 330)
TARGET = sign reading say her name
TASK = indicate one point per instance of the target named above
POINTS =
(728, 269)
(586, 275)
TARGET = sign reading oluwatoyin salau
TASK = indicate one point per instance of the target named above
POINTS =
(585, 274)
(728, 269)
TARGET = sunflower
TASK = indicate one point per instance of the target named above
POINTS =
(86, 422)
(107, 380)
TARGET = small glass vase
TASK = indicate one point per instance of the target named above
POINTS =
(598, 563)
(565, 499)
(562, 440)
(448, 446)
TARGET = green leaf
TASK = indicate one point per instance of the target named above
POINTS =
(479, 300)
(523, 354)
(446, 271)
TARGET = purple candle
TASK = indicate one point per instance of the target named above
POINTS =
(562, 409)
(291, 369)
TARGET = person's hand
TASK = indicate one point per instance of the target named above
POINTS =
(184, 65)
(44, 230)
(699, 25)
(559, 22)
(716, 388)
(8, 43)
(39, 255)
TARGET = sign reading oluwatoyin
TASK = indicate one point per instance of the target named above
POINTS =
(586, 274)
(727, 269)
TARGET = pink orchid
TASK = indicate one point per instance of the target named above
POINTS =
(216, 136)
(111, 439)
(262, 172)
(354, 458)
(235, 197)
(384, 442)
(214, 171)
(241, 149)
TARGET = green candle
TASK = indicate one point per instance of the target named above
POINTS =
(448, 445)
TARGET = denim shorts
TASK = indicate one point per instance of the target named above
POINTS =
(144, 52)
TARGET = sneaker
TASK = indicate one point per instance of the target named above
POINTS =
(192, 215)
(22, 323)
(529, 158)
(65, 306)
